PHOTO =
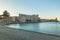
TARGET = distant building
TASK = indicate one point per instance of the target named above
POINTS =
(35, 18)
(28, 18)
(44, 20)
(54, 20)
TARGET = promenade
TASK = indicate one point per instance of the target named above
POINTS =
(15, 34)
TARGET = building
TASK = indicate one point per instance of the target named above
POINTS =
(1, 16)
(35, 18)
(54, 20)
(28, 18)
(7, 20)
(49, 20)
(44, 20)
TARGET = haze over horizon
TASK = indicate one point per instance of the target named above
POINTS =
(44, 8)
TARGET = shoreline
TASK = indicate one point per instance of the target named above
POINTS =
(35, 32)
(18, 34)
(31, 31)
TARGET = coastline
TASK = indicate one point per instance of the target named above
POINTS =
(7, 33)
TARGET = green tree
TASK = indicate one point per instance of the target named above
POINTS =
(6, 13)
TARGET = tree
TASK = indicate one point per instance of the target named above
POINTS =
(6, 13)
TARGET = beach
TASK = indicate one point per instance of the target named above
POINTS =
(7, 33)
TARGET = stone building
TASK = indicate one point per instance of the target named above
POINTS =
(35, 18)
(28, 18)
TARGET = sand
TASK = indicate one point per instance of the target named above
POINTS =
(15, 34)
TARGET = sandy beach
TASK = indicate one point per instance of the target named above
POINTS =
(15, 34)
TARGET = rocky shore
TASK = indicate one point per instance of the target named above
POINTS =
(15, 34)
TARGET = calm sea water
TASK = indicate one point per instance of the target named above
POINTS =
(46, 27)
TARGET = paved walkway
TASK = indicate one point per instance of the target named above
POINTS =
(14, 34)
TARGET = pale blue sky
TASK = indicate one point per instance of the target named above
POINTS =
(44, 8)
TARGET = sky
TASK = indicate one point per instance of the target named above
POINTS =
(46, 9)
